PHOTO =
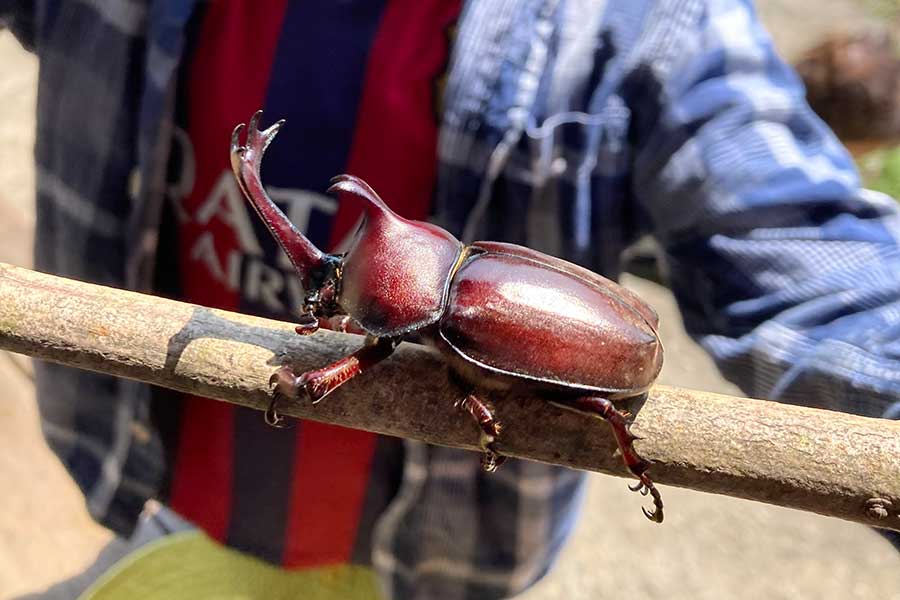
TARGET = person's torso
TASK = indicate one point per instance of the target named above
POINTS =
(358, 84)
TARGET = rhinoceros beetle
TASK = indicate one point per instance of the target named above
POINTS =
(501, 315)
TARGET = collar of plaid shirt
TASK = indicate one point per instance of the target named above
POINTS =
(572, 126)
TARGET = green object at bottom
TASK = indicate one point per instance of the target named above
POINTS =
(191, 565)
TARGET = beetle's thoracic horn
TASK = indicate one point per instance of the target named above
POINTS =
(356, 186)
(245, 162)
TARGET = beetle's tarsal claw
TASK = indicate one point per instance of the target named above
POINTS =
(645, 486)
(491, 459)
(490, 463)
(272, 417)
(482, 411)
(638, 465)
(282, 383)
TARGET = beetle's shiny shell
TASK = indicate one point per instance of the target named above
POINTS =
(562, 265)
(518, 313)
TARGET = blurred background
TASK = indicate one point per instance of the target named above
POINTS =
(710, 546)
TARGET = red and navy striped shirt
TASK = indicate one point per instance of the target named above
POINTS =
(359, 87)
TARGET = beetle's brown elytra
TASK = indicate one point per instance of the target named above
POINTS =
(502, 315)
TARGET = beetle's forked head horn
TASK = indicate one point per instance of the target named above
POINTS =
(313, 265)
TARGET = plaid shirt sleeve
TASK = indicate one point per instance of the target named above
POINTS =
(785, 269)
(102, 118)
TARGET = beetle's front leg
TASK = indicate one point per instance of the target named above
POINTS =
(483, 413)
(342, 324)
(321, 382)
(597, 406)
(309, 324)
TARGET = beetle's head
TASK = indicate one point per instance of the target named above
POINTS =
(322, 286)
(319, 272)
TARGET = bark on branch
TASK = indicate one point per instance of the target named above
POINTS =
(826, 462)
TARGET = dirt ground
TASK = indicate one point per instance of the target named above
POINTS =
(709, 547)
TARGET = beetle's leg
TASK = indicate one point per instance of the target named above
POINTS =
(342, 324)
(308, 324)
(319, 303)
(602, 407)
(321, 382)
(483, 413)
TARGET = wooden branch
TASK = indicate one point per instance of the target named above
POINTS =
(826, 462)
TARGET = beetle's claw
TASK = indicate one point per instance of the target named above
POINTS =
(490, 458)
(273, 419)
(482, 411)
(639, 487)
(283, 383)
(271, 416)
(645, 486)
(603, 407)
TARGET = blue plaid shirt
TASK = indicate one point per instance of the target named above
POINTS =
(572, 126)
